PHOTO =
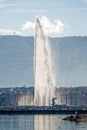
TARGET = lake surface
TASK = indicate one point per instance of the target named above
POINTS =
(39, 122)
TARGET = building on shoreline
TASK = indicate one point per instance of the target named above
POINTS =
(24, 96)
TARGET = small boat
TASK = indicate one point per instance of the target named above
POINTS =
(75, 117)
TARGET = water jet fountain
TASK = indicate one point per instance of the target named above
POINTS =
(44, 80)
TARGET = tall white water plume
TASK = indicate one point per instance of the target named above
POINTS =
(44, 79)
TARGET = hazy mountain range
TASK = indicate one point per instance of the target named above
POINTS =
(16, 61)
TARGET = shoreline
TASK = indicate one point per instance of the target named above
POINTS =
(43, 112)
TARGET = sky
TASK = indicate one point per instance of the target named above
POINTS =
(61, 17)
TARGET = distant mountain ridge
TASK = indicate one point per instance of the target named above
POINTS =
(16, 60)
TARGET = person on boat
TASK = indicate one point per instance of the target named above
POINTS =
(76, 116)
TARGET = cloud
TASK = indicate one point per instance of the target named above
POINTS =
(25, 11)
(54, 27)
(11, 4)
(6, 5)
(28, 25)
(9, 32)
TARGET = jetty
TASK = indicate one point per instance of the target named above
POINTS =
(42, 110)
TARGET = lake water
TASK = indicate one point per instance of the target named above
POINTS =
(39, 122)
